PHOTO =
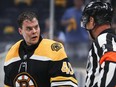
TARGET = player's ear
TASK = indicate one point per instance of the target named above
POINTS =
(20, 31)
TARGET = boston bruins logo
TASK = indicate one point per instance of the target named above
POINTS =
(56, 47)
(24, 80)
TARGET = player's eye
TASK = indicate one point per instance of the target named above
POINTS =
(28, 28)
(36, 27)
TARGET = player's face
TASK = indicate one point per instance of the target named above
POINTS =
(30, 31)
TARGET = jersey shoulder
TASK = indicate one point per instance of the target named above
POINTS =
(51, 49)
(13, 51)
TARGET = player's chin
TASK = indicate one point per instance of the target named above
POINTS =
(34, 41)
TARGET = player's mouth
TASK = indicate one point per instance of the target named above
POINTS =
(34, 38)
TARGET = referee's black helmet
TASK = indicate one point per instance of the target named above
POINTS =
(102, 13)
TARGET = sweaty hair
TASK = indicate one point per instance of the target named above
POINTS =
(26, 15)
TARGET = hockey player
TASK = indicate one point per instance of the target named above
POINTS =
(37, 62)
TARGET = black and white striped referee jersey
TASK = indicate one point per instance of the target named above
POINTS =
(101, 65)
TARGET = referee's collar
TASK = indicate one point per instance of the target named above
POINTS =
(110, 30)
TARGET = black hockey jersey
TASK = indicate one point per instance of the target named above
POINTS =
(46, 66)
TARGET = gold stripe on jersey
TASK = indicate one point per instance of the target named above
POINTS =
(13, 52)
(45, 49)
(61, 78)
(12, 60)
(6, 86)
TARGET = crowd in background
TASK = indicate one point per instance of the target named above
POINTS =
(67, 27)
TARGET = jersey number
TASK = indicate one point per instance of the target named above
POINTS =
(66, 67)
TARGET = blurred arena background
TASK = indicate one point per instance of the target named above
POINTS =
(50, 13)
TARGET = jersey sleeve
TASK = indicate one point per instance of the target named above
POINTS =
(7, 81)
(107, 63)
(62, 74)
(108, 66)
(13, 52)
(108, 72)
